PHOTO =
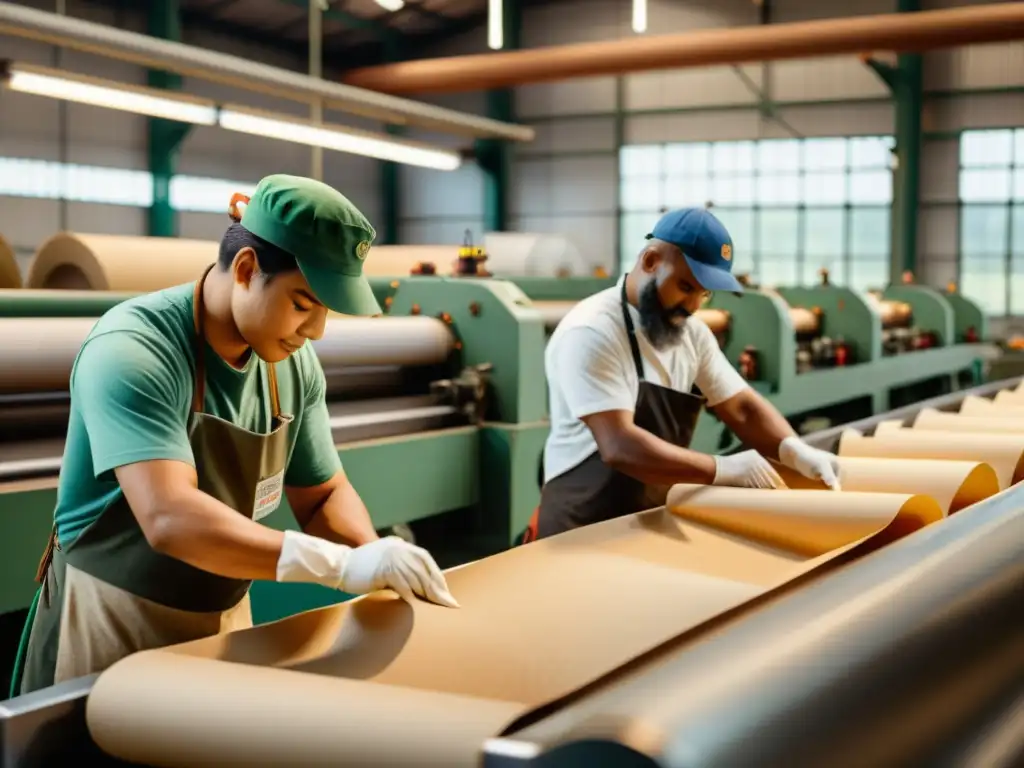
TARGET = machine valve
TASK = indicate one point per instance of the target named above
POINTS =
(467, 392)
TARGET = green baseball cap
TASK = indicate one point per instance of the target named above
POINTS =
(328, 236)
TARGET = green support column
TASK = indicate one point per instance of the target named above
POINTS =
(905, 82)
(494, 156)
(165, 136)
(907, 182)
(389, 196)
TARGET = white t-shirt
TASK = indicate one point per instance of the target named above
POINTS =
(590, 369)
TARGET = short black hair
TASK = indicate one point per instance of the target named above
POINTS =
(271, 259)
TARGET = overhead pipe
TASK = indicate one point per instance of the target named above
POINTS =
(153, 53)
(898, 32)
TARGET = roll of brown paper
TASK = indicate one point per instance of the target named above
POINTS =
(117, 263)
(10, 272)
(997, 422)
(378, 682)
(1004, 453)
(953, 484)
(401, 260)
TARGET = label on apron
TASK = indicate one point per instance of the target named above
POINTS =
(268, 496)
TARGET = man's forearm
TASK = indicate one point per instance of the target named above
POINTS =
(648, 458)
(205, 533)
(756, 422)
(343, 518)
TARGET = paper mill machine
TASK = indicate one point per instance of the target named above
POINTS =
(438, 395)
(937, 681)
(828, 351)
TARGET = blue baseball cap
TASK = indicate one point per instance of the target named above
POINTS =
(705, 243)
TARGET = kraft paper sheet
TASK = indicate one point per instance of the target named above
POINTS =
(1009, 397)
(10, 273)
(982, 406)
(996, 422)
(378, 682)
(1004, 453)
(955, 485)
(119, 263)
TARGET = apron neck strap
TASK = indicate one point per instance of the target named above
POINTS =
(199, 388)
(631, 332)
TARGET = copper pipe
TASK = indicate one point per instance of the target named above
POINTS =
(898, 32)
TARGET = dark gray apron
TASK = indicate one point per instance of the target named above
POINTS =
(109, 594)
(592, 492)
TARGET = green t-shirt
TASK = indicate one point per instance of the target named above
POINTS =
(131, 399)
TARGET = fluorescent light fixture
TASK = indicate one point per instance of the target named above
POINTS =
(639, 16)
(495, 25)
(340, 139)
(155, 102)
(141, 101)
(391, 5)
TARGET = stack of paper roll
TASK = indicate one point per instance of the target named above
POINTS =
(71, 260)
(378, 682)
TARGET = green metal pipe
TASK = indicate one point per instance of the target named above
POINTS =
(24, 302)
(909, 101)
(165, 136)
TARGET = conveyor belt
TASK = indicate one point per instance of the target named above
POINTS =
(350, 422)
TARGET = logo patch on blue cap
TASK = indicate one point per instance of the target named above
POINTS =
(726, 251)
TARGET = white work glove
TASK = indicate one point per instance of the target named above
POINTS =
(812, 463)
(388, 563)
(746, 470)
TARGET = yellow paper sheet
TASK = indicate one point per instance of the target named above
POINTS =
(953, 484)
(1004, 453)
(931, 419)
(378, 682)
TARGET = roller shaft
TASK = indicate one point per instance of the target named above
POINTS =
(553, 312)
(36, 354)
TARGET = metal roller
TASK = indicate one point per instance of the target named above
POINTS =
(553, 312)
(805, 321)
(36, 354)
(895, 314)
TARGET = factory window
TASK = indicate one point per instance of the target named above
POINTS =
(992, 219)
(20, 177)
(23, 177)
(792, 206)
(201, 195)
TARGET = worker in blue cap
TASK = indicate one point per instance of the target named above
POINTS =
(195, 411)
(621, 369)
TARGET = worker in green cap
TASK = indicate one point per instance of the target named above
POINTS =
(194, 411)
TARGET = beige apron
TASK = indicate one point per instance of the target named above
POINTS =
(109, 594)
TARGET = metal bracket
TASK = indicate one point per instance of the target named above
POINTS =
(467, 392)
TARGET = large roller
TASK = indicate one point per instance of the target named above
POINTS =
(10, 273)
(77, 261)
(553, 312)
(38, 353)
(116, 263)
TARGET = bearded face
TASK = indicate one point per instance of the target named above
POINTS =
(663, 325)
